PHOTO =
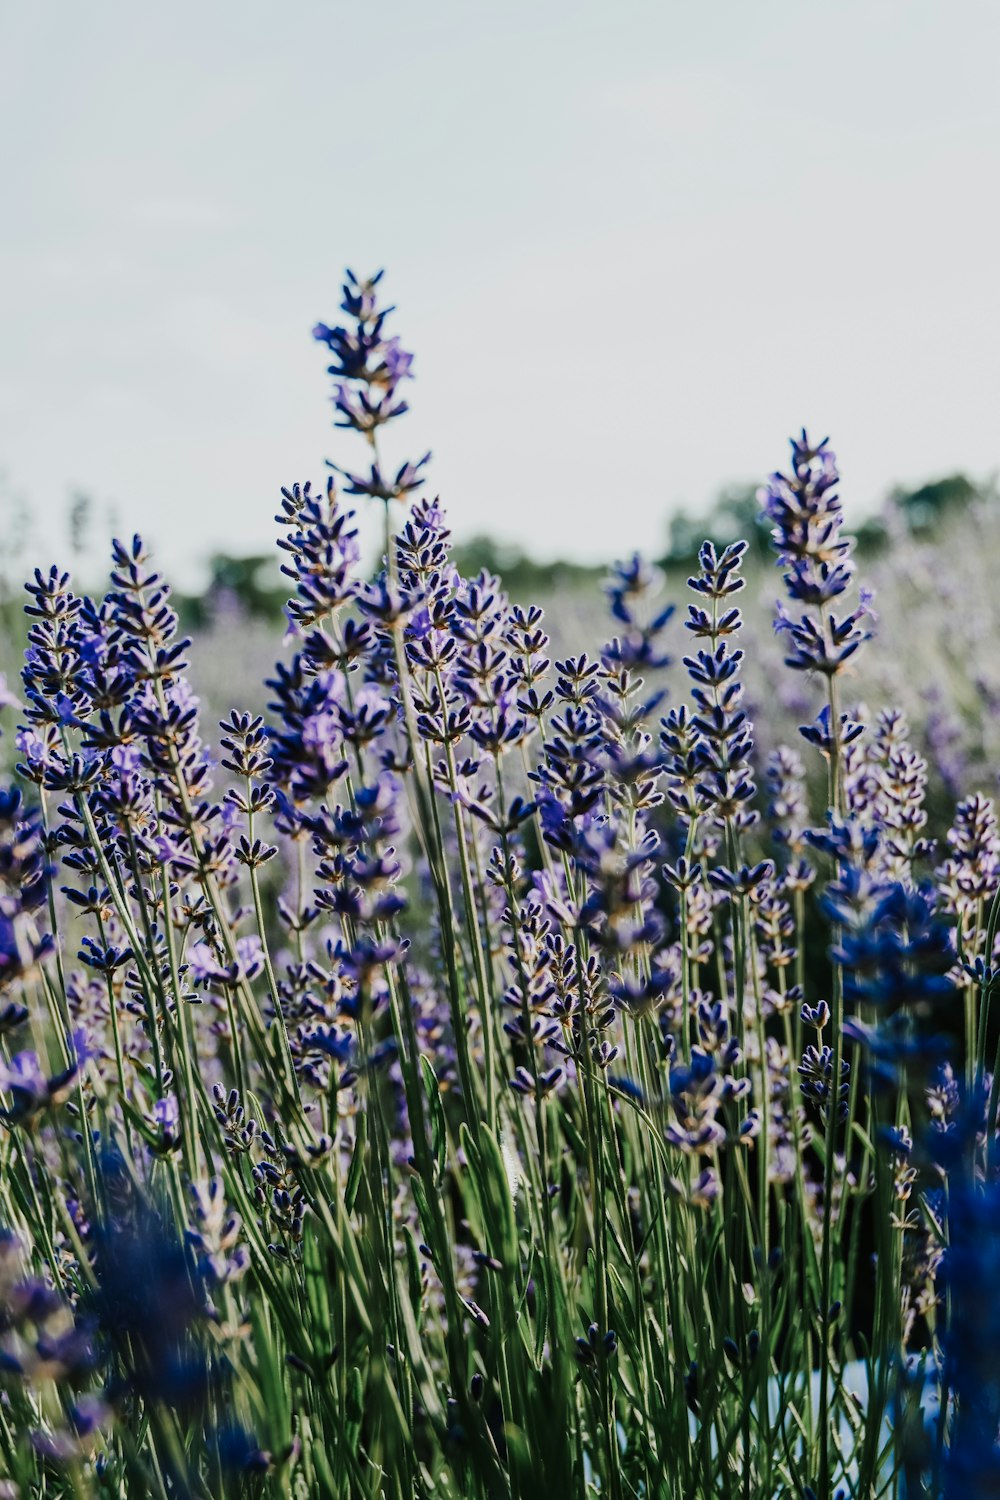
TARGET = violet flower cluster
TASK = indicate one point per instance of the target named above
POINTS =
(486, 1072)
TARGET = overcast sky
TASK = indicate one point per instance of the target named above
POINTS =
(633, 246)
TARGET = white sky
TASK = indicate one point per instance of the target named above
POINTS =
(634, 245)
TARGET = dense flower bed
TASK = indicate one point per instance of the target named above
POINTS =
(491, 1078)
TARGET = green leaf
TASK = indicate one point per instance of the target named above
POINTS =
(439, 1128)
(541, 1317)
(271, 1374)
(357, 1164)
(414, 1279)
(474, 1178)
(423, 1210)
(317, 1281)
(354, 1406)
(499, 1204)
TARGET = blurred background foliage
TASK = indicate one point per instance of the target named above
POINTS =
(253, 584)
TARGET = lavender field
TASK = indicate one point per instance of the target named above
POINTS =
(484, 1049)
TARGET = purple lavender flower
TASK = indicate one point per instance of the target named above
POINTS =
(721, 732)
(807, 514)
(632, 590)
(31, 1087)
(368, 369)
(368, 366)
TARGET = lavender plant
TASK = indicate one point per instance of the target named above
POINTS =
(485, 1075)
